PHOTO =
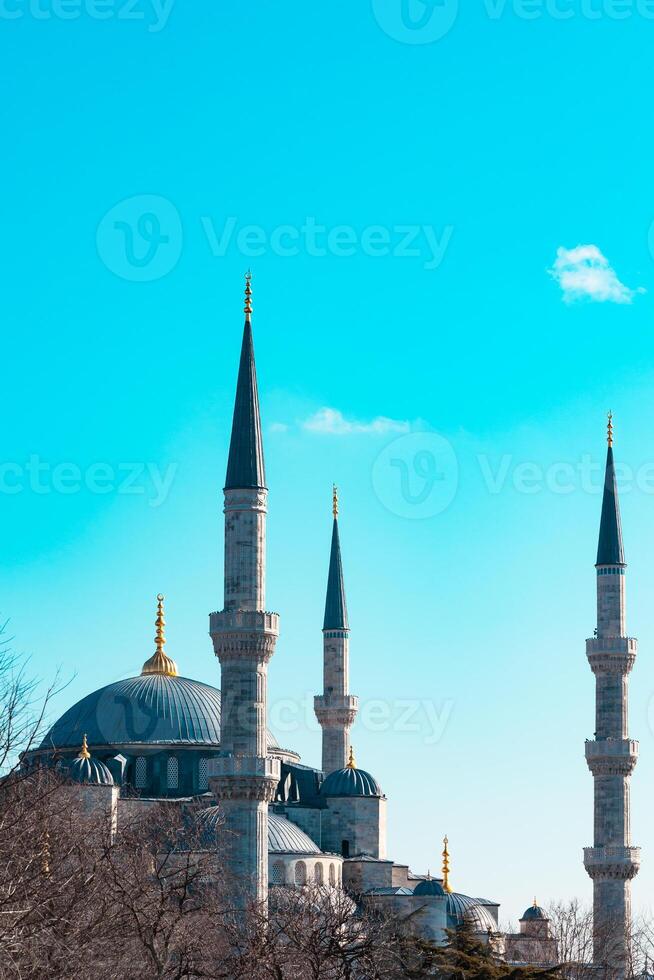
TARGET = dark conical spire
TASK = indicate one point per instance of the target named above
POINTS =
(245, 468)
(335, 605)
(610, 550)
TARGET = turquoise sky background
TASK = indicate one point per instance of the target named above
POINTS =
(130, 147)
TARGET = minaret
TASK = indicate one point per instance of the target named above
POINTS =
(244, 637)
(336, 708)
(612, 862)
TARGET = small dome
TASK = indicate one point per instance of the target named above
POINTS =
(284, 837)
(430, 886)
(533, 913)
(91, 772)
(350, 782)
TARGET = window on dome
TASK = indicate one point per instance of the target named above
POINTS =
(318, 875)
(332, 875)
(141, 773)
(203, 774)
(173, 773)
(277, 874)
(300, 873)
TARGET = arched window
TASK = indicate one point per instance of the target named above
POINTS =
(277, 874)
(173, 772)
(332, 875)
(203, 775)
(300, 873)
(141, 772)
(318, 875)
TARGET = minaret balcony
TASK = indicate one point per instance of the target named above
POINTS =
(242, 634)
(336, 711)
(620, 863)
(612, 756)
(235, 777)
(611, 654)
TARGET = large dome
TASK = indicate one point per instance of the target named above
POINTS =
(152, 709)
(476, 911)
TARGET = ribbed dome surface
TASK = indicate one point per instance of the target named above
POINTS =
(283, 836)
(350, 782)
(462, 908)
(428, 887)
(90, 771)
(151, 708)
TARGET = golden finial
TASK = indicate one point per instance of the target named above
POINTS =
(351, 764)
(335, 501)
(535, 903)
(84, 752)
(446, 867)
(610, 430)
(248, 296)
(160, 663)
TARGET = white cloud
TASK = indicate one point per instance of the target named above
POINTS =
(329, 421)
(584, 273)
(279, 427)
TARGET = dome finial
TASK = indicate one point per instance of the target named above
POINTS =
(84, 751)
(446, 867)
(335, 501)
(248, 297)
(160, 663)
(535, 903)
(610, 430)
(351, 763)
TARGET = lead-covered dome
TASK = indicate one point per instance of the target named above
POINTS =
(350, 782)
(91, 772)
(428, 887)
(475, 911)
(535, 912)
(150, 709)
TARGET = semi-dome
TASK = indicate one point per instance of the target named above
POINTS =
(428, 887)
(85, 769)
(284, 837)
(533, 913)
(475, 911)
(150, 709)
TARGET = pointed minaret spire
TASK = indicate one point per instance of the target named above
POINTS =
(610, 550)
(335, 604)
(245, 467)
(446, 867)
(336, 708)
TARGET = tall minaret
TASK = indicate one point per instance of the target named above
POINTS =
(336, 708)
(612, 862)
(244, 637)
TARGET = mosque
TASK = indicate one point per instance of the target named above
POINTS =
(161, 736)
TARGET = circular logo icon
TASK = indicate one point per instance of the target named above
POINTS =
(140, 239)
(416, 21)
(416, 476)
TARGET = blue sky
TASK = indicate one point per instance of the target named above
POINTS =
(400, 201)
